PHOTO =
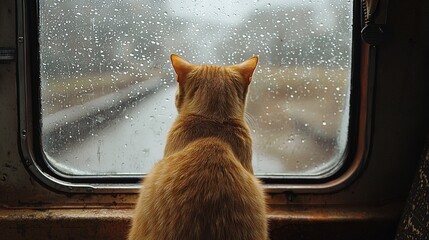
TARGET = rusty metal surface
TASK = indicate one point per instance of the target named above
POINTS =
(64, 224)
(337, 222)
(299, 222)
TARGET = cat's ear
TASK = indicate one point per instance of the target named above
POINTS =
(247, 68)
(181, 67)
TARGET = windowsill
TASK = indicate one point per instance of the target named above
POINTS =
(296, 222)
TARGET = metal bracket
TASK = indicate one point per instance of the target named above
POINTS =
(375, 18)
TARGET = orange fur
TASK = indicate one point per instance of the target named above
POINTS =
(204, 186)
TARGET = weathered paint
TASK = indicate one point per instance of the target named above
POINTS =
(333, 222)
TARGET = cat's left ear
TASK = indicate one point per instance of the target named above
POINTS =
(181, 67)
(246, 68)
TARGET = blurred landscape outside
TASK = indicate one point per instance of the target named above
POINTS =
(107, 85)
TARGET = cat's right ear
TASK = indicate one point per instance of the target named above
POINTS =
(247, 68)
(181, 67)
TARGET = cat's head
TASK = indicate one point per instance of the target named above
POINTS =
(212, 91)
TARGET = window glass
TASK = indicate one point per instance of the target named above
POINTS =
(107, 86)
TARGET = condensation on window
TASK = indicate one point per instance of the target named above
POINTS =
(107, 86)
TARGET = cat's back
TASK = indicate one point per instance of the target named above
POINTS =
(203, 192)
(203, 188)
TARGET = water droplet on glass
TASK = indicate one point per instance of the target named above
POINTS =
(99, 67)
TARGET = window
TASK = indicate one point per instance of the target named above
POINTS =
(107, 86)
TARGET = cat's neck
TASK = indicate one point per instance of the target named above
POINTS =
(233, 131)
(219, 114)
(214, 118)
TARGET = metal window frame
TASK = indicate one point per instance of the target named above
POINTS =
(359, 134)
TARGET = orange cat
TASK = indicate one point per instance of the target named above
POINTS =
(204, 186)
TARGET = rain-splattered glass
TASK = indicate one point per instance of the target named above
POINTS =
(107, 85)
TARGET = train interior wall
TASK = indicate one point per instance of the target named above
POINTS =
(367, 208)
